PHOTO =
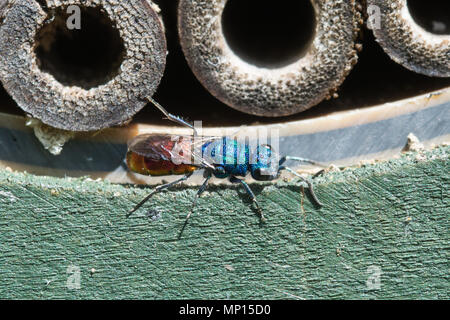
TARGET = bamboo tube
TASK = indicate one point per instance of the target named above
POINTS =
(3, 4)
(84, 77)
(406, 41)
(267, 87)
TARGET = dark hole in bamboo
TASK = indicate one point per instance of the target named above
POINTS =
(269, 33)
(43, 4)
(432, 15)
(85, 57)
(375, 79)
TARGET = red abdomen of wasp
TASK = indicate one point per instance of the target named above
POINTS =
(160, 155)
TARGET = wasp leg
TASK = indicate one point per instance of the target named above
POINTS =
(251, 194)
(199, 193)
(313, 162)
(319, 173)
(158, 189)
(310, 186)
(172, 117)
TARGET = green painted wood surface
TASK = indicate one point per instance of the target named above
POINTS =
(390, 216)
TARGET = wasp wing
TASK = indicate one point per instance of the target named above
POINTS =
(161, 147)
(150, 145)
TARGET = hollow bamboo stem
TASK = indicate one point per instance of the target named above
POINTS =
(408, 42)
(81, 65)
(286, 82)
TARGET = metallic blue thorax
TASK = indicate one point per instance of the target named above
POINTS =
(234, 158)
(231, 155)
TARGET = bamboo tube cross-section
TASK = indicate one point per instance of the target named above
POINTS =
(418, 42)
(237, 51)
(87, 78)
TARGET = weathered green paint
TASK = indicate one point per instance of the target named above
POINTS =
(391, 215)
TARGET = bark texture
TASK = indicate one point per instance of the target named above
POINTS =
(36, 61)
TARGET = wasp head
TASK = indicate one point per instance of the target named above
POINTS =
(264, 163)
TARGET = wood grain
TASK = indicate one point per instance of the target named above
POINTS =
(391, 215)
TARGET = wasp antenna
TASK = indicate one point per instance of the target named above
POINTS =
(172, 117)
(160, 107)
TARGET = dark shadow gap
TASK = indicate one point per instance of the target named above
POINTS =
(267, 33)
(85, 57)
(42, 4)
(432, 15)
